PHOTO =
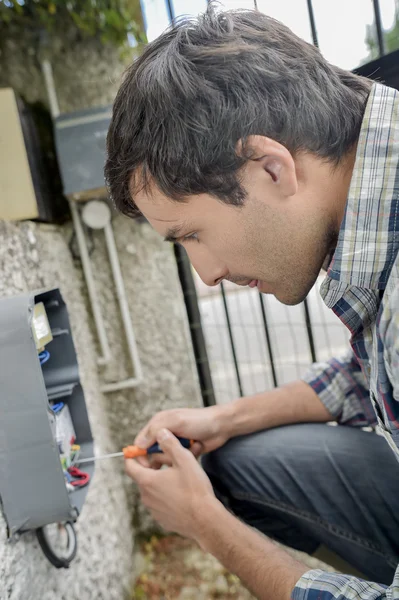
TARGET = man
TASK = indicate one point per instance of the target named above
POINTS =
(238, 140)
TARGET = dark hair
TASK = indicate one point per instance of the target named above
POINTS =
(207, 83)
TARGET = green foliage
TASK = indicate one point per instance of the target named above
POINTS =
(391, 38)
(109, 20)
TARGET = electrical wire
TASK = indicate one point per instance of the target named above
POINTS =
(59, 561)
(44, 356)
(56, 408)
(68, 476)
(75, 457)
(81, 477)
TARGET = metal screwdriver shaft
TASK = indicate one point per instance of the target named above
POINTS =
(94, 458)
(135, 451)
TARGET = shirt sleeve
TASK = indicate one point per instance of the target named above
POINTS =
(320, 585)
(389, 332)
(342, 387)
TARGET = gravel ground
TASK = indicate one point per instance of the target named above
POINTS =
(172, 568)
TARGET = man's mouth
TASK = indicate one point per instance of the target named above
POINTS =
(253, 283)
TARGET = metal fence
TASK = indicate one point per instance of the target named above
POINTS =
(173, 12)
(255, 343)
(246, 342)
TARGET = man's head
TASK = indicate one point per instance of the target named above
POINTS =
(236, 138)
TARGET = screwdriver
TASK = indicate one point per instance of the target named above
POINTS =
(135, 451)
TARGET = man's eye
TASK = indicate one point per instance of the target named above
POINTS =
(190, 237)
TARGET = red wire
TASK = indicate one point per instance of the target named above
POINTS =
(82, 478)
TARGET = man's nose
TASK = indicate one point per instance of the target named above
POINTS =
(208, 268)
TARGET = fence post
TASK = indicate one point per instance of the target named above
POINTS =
(170, 10)
(378, 27)
(232, 344)
(312, 23)
(268, 340)
(194, 319)
(309, 330)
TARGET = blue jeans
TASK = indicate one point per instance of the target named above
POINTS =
(312, 484)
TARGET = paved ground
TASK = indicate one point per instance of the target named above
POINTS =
(289, 339)
(172, 568)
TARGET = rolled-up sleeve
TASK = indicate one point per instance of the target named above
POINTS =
(320, 585)
(389, 332)
(342, 387)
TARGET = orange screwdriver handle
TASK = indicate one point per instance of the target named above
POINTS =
(135, 451)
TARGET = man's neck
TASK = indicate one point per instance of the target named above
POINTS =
(342, 176)
(339, 179)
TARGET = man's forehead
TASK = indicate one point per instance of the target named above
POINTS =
(148, 195)
(170, 228)
(160, 208)
(155, 205)
(167, 216)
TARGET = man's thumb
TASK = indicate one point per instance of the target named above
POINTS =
(170, 444)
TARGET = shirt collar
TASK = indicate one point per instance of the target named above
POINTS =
(368, 240)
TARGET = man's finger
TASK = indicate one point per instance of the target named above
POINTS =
(171, 445)
(197, 449)
(144, 438)
(158, 460)
(144, 461)
(135, 470)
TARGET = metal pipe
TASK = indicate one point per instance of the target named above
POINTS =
(232, 344)
(309, 330)
(268, 339)
(312, 23)
(88, 273)
(378, 28)
(80, 236)
(91, 288)
(50, 86)
(196, 330)
(126, 319)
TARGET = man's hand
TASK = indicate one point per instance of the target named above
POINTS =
(211, 427)
(207, 426)
(181, 499)
(178, 497)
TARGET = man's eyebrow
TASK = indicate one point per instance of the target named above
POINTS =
(173, 234)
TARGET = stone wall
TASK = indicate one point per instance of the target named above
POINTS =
(86, 73)
(35, 256)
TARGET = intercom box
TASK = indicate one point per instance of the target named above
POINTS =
(81, 148)
(33, 488)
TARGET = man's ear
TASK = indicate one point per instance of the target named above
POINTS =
(274, 158)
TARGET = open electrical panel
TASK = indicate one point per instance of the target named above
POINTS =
(44, 426)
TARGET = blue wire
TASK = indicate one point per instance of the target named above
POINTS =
(68, 476)
(44, 356)
(57, 407)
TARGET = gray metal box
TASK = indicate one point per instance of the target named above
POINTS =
(80, 141)
(32, 485)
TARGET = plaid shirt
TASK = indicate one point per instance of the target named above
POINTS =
(362, 288)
